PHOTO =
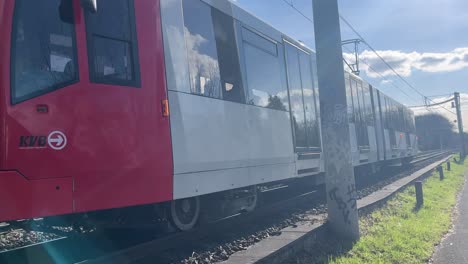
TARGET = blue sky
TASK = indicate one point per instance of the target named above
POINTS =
(426, 41)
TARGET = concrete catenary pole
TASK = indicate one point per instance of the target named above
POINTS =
(340, 183)
(460, 125)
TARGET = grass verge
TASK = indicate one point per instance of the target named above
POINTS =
(397, 233)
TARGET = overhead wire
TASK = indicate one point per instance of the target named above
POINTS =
(291, 4)
(387, 64)
(383, 77)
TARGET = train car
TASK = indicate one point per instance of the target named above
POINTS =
(243, 100)
(147, 102)
(129, 103)
(382, 131)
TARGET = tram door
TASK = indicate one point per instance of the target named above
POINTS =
(302, 99)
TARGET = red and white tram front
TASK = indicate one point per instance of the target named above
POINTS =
(82, 95)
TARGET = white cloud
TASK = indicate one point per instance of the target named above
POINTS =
(405, 63)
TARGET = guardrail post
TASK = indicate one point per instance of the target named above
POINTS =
(419, 194)
(441, 172)
(449, 168)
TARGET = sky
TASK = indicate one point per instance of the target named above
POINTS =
(425, 41)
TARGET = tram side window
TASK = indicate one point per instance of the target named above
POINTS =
(400, 117)
(390, 114)
(112, 43)
(407, 120)
(43, 55)
(264, 72)
(205, 76)
(356, 101)
(369, 112)
(231, 80)
(388, 119)
(412, 123)
(396, 117)
(296, 98)
(373, 111)
(403, 119)
(349, 99)
(364, 106)
(313, 129)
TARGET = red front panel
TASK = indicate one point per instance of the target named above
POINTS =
(117, 151)
(21, 198)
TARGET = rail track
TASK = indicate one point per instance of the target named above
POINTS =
(212, 242)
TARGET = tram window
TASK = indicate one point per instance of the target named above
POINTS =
(395, 116)
(367, 94)
(383, 109)
(296, 98)
(378, 107)
(398, 117)
(406, 120)
(264, 72)
(205, 76)
(260, 42)
(383, 103)
(412, 126)
(357, 101)
(369, 106)
(112, 43)
(364, 103)
(228, 56)
(43, 55)
(349, 99)
(403, 121)
(410, 121)
(402, 117)
(389, 113)
(309, 101)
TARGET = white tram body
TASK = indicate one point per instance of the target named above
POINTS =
(244, 103)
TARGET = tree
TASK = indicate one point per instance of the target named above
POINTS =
(435, 132)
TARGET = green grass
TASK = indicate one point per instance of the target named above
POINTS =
(397, 233)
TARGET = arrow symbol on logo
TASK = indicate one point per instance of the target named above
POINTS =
(58, 141)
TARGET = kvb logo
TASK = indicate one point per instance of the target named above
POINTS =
(56, 140)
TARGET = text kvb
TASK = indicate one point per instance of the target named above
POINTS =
(33, 141)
